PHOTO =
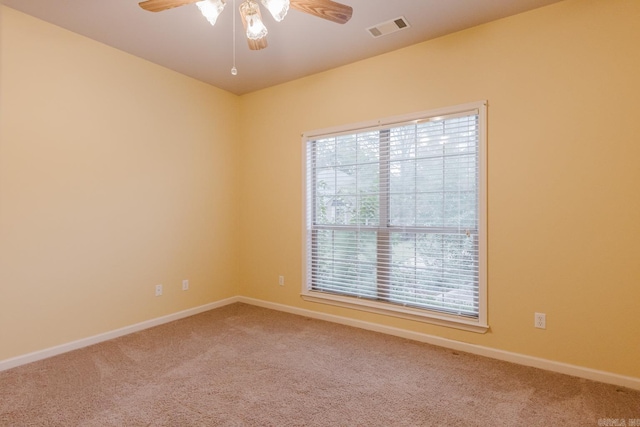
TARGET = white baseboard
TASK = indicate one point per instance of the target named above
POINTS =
(85, 342)
(507, 356)
(521, 359)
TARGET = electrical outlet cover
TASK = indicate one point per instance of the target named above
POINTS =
(540, 320)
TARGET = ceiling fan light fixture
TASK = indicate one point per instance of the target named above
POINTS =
(277, 8)
(250, 11)
(211, 9)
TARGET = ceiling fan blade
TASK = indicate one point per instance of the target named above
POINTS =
(257, 44)
(326, 9)
(160, 5)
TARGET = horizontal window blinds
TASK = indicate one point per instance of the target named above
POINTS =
(392, 214)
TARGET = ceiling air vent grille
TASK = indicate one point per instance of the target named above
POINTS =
(389, 27)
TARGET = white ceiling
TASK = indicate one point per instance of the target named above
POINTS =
(181, 39)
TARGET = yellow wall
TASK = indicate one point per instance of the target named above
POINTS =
(115, 175)
(562, 84)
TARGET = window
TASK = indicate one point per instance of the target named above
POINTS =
(395, 219)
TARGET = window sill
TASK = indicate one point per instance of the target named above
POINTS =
(417, 315)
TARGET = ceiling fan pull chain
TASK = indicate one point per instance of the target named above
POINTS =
(234, 70)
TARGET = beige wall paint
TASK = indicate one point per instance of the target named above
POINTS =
(115, 175)
(563, 176)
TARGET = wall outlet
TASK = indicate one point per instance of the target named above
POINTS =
(281, 280)
(540, 320)
(185, 285)
(158, 290)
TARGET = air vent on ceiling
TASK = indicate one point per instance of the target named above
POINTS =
(389, 27)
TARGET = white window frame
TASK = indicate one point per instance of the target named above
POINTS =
(478, 324)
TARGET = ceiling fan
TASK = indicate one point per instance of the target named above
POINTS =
(250, 12)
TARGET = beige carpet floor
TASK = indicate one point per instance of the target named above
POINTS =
(247, 366)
